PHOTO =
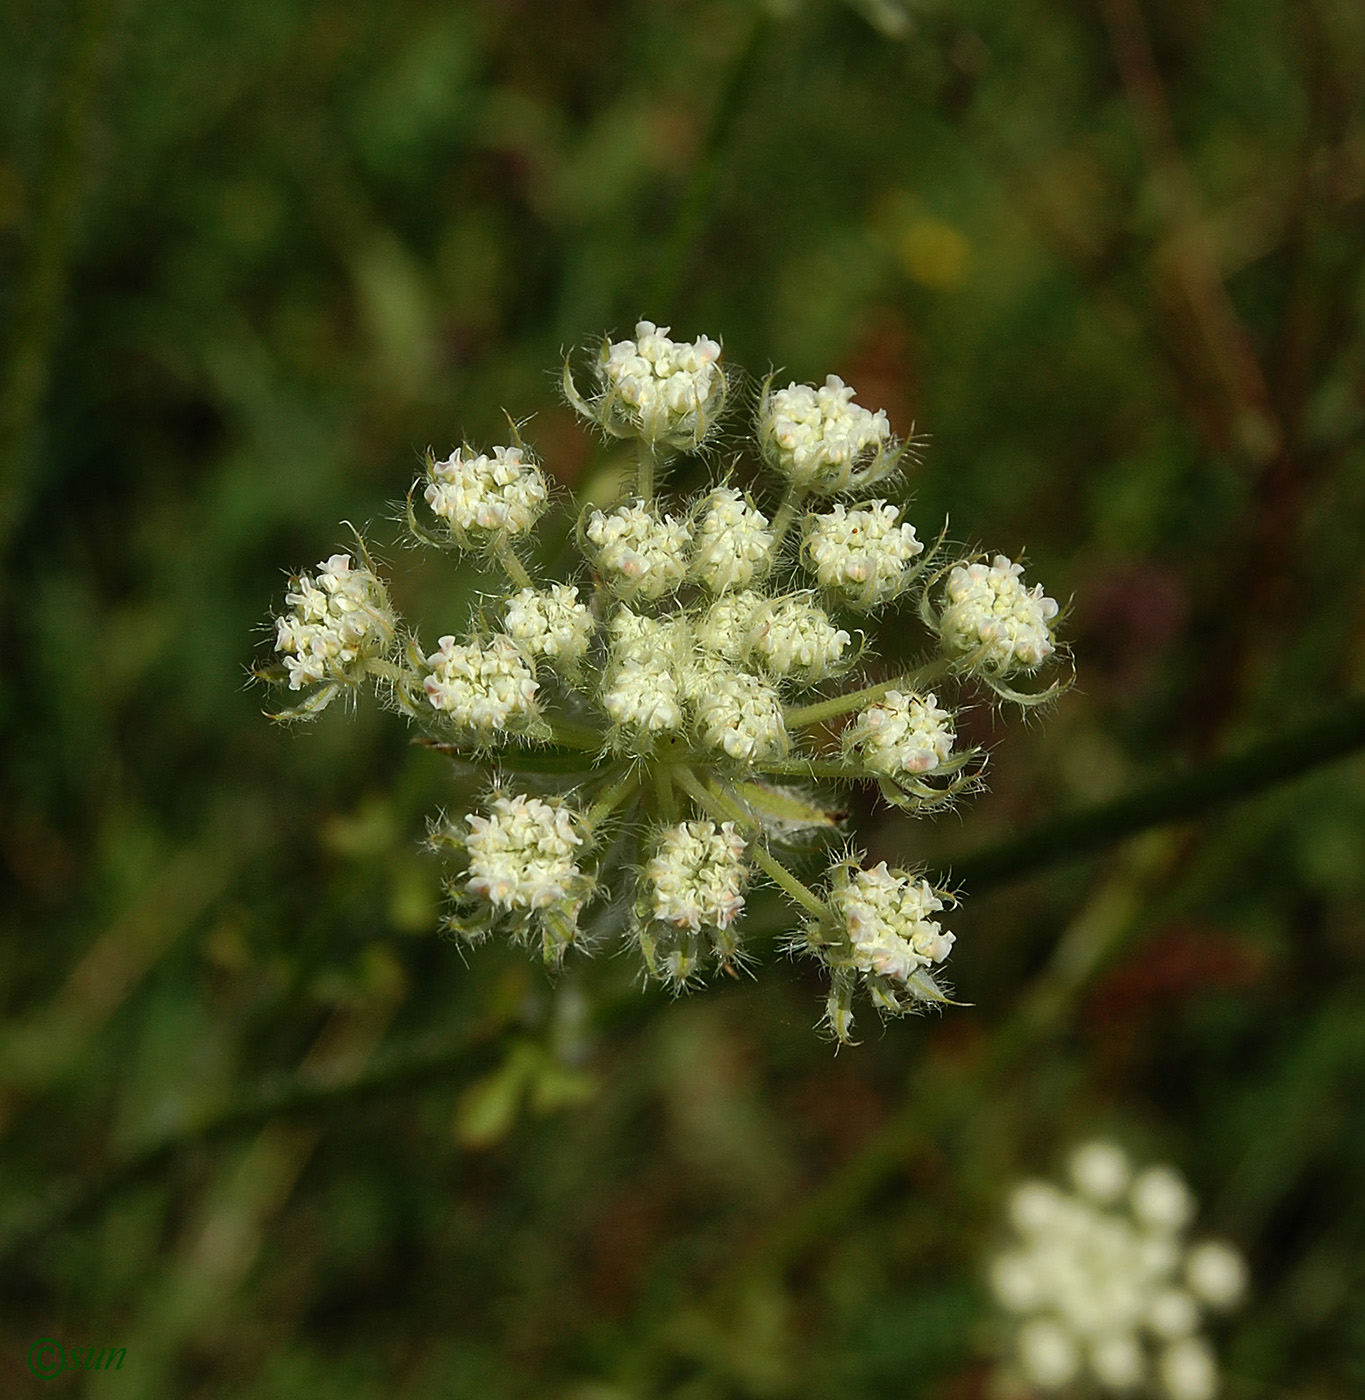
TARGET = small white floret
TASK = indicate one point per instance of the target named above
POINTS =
(900, 733)
(1100, 1170)
(641, 692)
(550, 622)
(696, 878)
(736, 712)
(862, 554)
(1117, 1361)
(888, 916)
(819, 439)
(1216, 1274)
(481, 687)
(338, 622)
(1188, 1370)
(1173, 1313)
(670, 393)
(1048, 1356)
(726, 628)
(990, 616)
(523, 855)
(793, 637)
(637, 552)
(482, 497)
(1161, 1200)
(732, 545)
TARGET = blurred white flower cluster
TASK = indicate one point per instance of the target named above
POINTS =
(1104, 1287)
(659, 727)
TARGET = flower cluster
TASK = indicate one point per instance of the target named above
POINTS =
(1101, 1282)
(659, 727)
(338, 631)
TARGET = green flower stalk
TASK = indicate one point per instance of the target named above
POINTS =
(658, 729)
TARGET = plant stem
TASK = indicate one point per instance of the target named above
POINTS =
(512, 566)
(793, 501)
(1174, 799)
(856, 699)
(573, 735)
(644, 471)
(723, 809)
(813, 768)
(613, 797)
(663, 792)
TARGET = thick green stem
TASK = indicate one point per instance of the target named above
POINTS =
(1174, 799)
(644, 471)
(855, 699)
(614, 797)
(793, 502)
(512, 566)
(814, 768)
(573, 735)
(722, 808)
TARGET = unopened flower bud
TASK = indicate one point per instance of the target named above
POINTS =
(820, 440)
(669, 393)
(732, 546)
(862, 555)
(989, 616)
(340, 620)
(638, 553)
(485, 688)
(481, 498)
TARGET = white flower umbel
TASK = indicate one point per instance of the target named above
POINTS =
(793, 637)
(550, 622)
(737, 713)
(482, 499)
(693, 886)
(899, 734)
(338, 632)
(667, 393)
(821, 441)
(861, 555)
(697, 877)
(1104, 1276)
(992, 620)
(523, 862)
(684, 679)
(642, 694)
(733, 545)
(880, 930)
(482, 687)
(727, 626)
(637, 553)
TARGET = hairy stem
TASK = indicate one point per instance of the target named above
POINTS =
(512, 566)
(837, 705)
(644, 470)
(614, 796)
(793, 502)
(723, 808)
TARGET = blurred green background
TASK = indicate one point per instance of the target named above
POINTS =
(267, 1131)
